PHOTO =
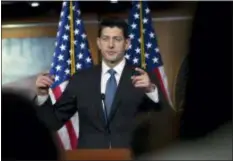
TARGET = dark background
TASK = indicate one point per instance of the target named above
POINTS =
(208, 99)
(18, 10)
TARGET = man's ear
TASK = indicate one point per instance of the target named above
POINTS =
(127, 44)
(98, 42)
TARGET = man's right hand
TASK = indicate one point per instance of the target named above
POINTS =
(43, 82)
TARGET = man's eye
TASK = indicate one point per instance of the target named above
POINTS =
(104, 38)
(118, 39)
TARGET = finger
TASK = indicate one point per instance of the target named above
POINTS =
(42, 85)
(46, 74)
(52, 77)
(47, 79)
(140, 85)
(141, 71)
(45, 82)
(137, 78)
(140, 82)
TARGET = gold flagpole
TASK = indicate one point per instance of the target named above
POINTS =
(143, 62)
(72, 56)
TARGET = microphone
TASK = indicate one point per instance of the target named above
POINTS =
(104, 107)
(105, 111)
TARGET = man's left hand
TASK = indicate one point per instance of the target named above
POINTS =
(143, 81)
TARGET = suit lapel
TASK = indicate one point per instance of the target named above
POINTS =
(97, 95)
(123, 86)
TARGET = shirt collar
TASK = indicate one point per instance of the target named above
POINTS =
(118, 68)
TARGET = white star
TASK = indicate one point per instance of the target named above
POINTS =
(144, 30)
(65, 37)
(55, 43)
(58, 67)
(88, 60)
(136, 16)
(137, 50)
(147, 10)
(80, 55)
(64, 4)
(148, 45)
(82, 45)
(127, 56)
(79, 12)
(68, 61)
(63, 47)
(52, 65)
(152, 35)
(155, 60)
(138, 6)
(78, 21)
(139, 40)
(130, 46)
(145, 20)
(147, 55)
(84, 36)
(60, 57)
(134, 26)
(75, 42)
(69, 17)
(131, 36)
(58, 33)
(79, 66)
(60, 23)
(135, 60)
(67, 71)
(57, 78)
(54, 54)
(76, 32)
(156, 50)
(67, 27)
(62, 14)
(73, 8)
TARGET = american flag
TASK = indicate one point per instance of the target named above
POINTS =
(144, 51)
(71, 39)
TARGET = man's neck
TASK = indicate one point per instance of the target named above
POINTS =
(112, 64)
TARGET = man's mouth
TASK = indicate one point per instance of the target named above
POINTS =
(111, 52)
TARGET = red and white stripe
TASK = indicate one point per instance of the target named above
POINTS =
(160, 73)
(68, 134)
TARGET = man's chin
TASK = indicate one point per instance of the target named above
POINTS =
(112, 60)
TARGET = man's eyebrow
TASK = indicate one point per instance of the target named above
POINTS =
(113, 36)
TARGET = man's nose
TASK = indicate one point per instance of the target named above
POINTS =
(111, 43)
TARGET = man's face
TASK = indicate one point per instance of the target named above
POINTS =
(112, 44)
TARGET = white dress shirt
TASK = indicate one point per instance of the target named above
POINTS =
(119, 69)
(104, 78)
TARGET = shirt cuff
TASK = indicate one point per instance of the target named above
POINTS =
(154, 95)
(41, 99)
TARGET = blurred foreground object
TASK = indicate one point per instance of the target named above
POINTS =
(23, 135)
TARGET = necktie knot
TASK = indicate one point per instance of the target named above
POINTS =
(112, 72)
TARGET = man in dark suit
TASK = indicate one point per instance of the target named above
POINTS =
(126, 95)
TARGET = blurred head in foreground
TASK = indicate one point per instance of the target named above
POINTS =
(23, 135)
